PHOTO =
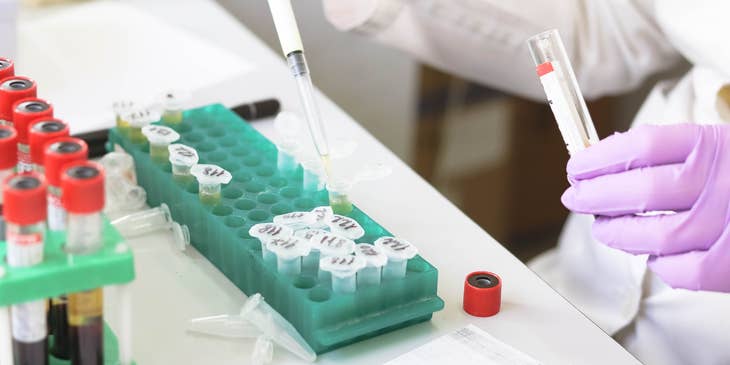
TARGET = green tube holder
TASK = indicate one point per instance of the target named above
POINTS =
(256, 194)
(112, 265)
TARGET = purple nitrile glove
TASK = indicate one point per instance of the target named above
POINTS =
(680, 168)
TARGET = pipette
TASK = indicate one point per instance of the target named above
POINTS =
(289, 252)
(182, 159)
(399, 252)
(375, 260)
(159, 137)
(210, 178)
(562, 90)
(343, 270)
(291, 45)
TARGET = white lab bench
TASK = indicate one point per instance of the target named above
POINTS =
(173, 287)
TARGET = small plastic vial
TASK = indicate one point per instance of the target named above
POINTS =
(210, 178)
(182, 158)
(289, 252)
(375, 259)
(339, 191)
(24, 112)
(399, 252)
(160, 137)
(343, 270)
(122, 109)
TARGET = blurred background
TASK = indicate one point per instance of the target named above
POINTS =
(499, 158)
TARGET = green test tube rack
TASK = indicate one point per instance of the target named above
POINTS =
(256, 194)
(60, 274)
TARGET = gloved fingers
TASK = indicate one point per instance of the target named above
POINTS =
(647, 145)
(666, 187)
(664, 234)
(696, 270)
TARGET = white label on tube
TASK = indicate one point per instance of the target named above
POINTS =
(24, 249)
(29, 321)
(565, 113)
(56, 214)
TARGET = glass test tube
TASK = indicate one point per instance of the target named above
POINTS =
(41, 132)
(13, 89)
(24, 112)
(24, 196)
(60, 152)
(83, 199)
(562, 90)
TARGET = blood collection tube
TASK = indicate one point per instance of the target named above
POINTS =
(13, 89)
(7, 68)
(82, 183)
(58, 153)
(40, 132)
(8, 160)
(24, 195)
(26, 111)
(160, 137)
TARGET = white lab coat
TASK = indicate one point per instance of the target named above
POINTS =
(614, 45)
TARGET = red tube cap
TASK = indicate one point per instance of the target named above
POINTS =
(24, 198)
(82, 184)
(482, 294)
(58, 153)
(8, 147)
(42, 131)
(13, 89)
(7, 68)
(27, 110)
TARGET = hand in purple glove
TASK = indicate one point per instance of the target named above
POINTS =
(682, 168)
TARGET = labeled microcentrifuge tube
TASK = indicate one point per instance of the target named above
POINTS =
(275, 327)
(399, 252)
(322, 215)
(266, 232)
(313, 176)
(286, 161)
(375, 259)
(289, 126)
(119, 164)
(210, 178)
(144, 222)
(310, 261)
(138, 119)
(24, 196)
(289, 252)
(122, 110)
(339, 191)
(296, 220)
(173, 105)
(160, 137)
(330, 244)
(343, 270)
(182, 159)
(345, 227)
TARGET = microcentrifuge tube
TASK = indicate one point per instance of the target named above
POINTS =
(322, 215)
(345, 227)
(119, 164)
(339, 191)
(138, 119)
(289, 252)
(310, 262)
(343, 270)
(210, 178)
(296, 220)
(328, 245)
(160, 137)
(266, 232)
(182, 159)
(144, 222)
(313, 176)
(399, 252)
(180, 236)
(24, 196)
(122, 109)
(122, 195)
(83, 198)
(173, 104)
(375, 259)
(286, 161)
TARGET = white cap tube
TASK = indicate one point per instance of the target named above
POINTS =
(286, 26)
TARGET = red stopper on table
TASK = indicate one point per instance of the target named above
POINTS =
(24, 198)
(482, 294)
(42, 131)
(82, 183)
(8, 147)
(13, 89)
(27, 110)
(60, 152)
(7, 68)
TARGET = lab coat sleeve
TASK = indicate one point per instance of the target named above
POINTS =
(613, 44)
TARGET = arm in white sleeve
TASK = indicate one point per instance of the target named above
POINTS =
(613, 44)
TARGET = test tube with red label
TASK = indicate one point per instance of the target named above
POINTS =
(24, 196)
(13, 89)
(8, 160)
(7, 68)
(26, 111)
(82, 183)
(58, 153)
(40, 132)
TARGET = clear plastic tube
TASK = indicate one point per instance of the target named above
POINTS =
(144, 222)
(298, 65)
(562, 90)
(84, 233)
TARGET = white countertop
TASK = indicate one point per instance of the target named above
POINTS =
(173, 287)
